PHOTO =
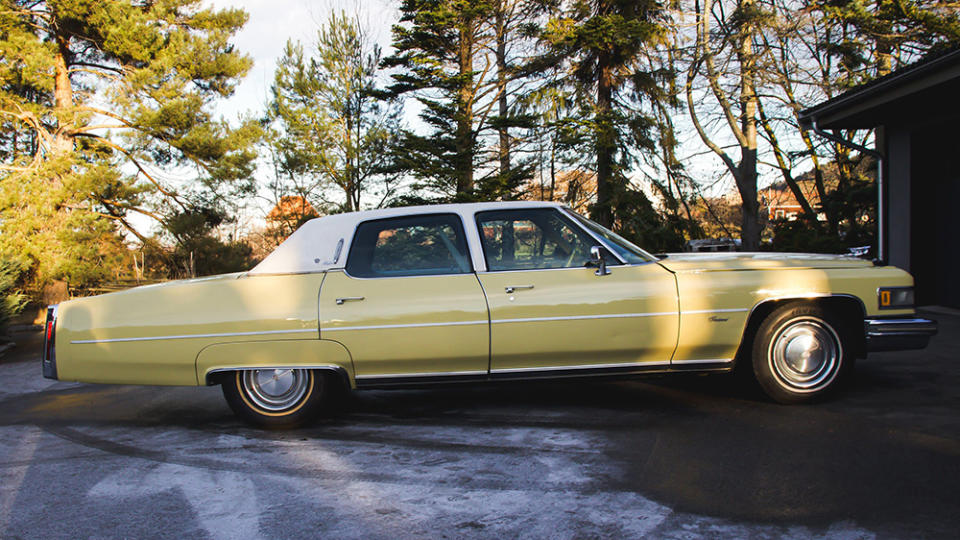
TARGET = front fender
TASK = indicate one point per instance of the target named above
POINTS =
(319, 354)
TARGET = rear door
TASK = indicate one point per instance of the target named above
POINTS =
(408, 305)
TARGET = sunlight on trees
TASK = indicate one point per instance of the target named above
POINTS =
(667, 121)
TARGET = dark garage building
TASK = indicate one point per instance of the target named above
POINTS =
(916, 113)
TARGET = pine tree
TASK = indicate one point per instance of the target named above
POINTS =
(95, 99)
(438, 51)
(329, 123)
(599, 46)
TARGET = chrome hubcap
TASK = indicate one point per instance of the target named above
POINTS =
(275, 389)
(805, 354)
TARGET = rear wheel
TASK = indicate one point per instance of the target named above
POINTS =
(276, 398)
(799, 353)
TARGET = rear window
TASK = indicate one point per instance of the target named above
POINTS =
(409, 246)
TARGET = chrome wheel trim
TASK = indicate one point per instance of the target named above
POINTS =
(275, 390)
(805, 354)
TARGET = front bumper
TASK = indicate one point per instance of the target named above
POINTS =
(898, 333)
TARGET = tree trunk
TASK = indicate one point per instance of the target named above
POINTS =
(808, 213)
(603, 212)
(62, 99)
(747, 170)
(349, 185)
(504, 149)
(464, 134)
(553, 169)
(832, 219)
(750, 207)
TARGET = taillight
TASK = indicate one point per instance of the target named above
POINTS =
(49, 344)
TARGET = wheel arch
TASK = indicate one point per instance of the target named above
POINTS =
(216, 362)
(845, 304)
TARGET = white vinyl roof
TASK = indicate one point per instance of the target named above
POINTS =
(323, 243)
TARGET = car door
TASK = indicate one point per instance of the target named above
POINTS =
(549, 313)
(408, 305)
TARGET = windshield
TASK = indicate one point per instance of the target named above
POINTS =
(625, 249)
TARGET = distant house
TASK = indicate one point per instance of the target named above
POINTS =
(779, 202)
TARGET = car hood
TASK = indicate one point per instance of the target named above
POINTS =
(713, 262)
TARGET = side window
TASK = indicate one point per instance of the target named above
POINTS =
(409, 246)
(530, 239)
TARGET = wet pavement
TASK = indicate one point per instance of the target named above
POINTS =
(672, 457)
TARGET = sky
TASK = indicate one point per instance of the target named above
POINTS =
(273, 22)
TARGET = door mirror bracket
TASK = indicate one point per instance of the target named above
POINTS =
(598, 259)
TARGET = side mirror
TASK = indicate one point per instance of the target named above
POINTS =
(598, 259)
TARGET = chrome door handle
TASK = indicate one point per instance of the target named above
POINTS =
(511, 288)
(340, 301)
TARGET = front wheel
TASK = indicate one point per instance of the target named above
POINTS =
(799, 353)
(275, 398)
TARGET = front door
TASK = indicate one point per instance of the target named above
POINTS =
(550, 314)
(408, 306)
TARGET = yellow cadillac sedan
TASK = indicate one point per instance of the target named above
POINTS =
(469, 293)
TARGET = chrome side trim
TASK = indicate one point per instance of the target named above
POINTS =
(193, 336)
(414, 375)
(733, 310)
(544, 372)
(567, 268)
(411, 325)
(704, 361)
(267, 274)
(432, 276)
(587, 366)
(501, 321)
(581, 317)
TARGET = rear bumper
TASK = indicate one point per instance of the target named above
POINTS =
(898, 333)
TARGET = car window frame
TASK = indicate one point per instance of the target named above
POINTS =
(567, 220)
(459, 229)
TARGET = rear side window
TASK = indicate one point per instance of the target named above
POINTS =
(409, 246)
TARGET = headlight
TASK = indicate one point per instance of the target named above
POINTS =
(895, 297)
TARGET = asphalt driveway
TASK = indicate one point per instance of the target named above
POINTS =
(666, 458)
